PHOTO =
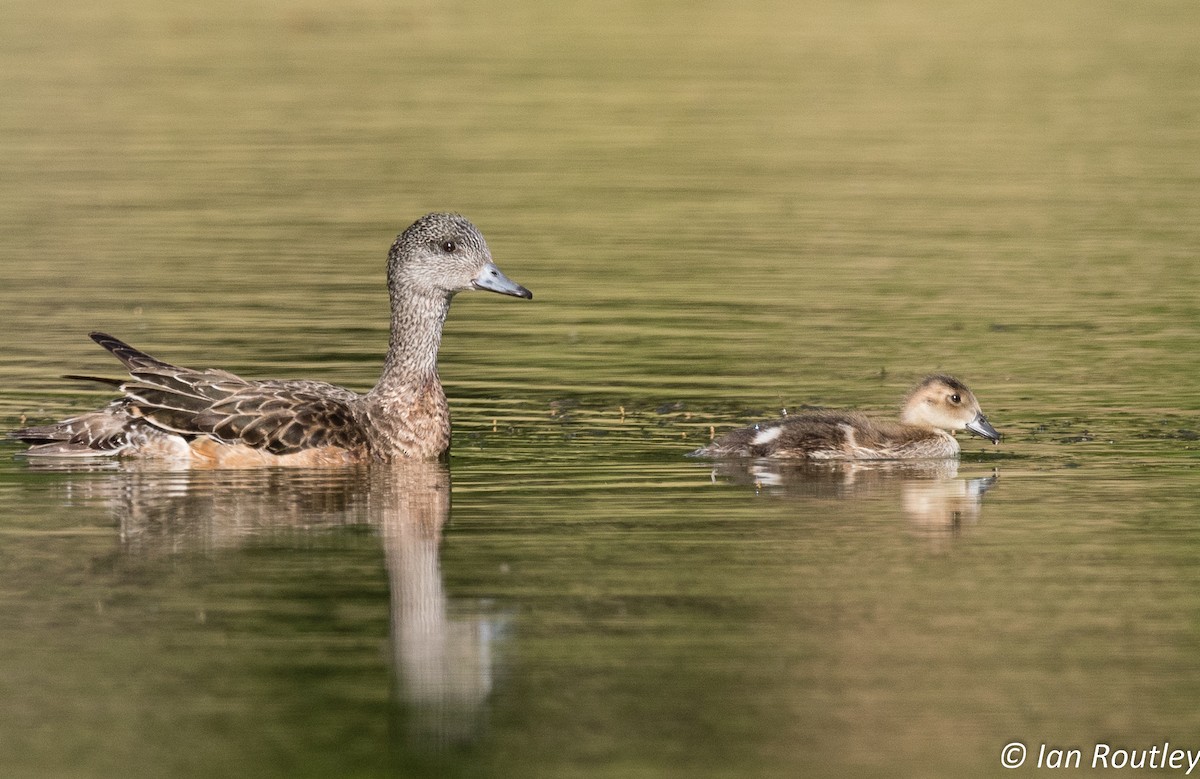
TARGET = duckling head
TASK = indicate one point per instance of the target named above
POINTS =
(945, 403)
(442, 254)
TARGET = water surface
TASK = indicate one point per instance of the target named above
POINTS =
(723, 212)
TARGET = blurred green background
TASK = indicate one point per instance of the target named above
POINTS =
(723, 209)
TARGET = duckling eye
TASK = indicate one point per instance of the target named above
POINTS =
(449, 247)
(955, 398)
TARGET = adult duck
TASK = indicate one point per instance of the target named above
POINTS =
(213, 418)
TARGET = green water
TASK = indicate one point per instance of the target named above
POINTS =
(723, 211)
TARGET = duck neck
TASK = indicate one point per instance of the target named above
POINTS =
(411, 363)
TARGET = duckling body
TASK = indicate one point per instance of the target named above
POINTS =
(212, 418)
(934, 409)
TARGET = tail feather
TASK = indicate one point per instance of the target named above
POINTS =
(38, 435)
(98, 379)
(131, 358)
(173, 398)
(103, 431)
(67, 449)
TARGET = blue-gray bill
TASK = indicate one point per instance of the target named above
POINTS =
(491, 279)
(981, 427)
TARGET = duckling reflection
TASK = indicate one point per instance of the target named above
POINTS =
(442, 654)
(930, 492)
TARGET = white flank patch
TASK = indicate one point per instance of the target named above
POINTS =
(851, 443)
(768, 435)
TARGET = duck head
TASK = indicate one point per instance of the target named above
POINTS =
(443, 254)
(945, 403)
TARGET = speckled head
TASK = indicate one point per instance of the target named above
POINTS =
(945, 403)
(442, 254)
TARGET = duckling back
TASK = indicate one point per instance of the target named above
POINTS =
(832, 435)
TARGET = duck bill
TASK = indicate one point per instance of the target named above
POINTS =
(981, 427)
(491, 279)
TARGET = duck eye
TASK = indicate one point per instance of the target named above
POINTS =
(449, 246)
(955, 398)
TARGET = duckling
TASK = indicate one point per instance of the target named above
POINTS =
(935, 407)
(212, 418)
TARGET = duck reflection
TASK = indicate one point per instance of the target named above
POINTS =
(930, 492)
(443, 665)
(442, 653)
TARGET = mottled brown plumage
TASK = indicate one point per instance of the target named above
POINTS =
(214, 418)
(934, 408)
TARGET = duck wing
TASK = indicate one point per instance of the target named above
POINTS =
(279, 416)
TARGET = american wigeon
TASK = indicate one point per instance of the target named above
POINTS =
(931, 411)
(214, 418)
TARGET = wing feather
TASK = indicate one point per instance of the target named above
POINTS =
(279, 416)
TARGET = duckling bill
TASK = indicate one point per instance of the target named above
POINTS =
(212, 418)
(932, 411)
